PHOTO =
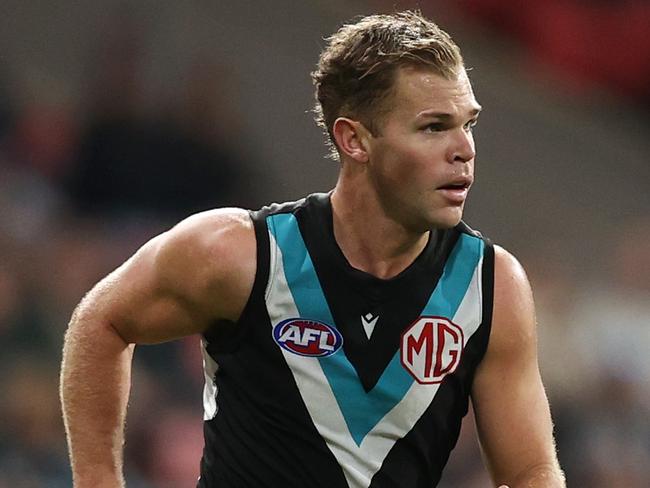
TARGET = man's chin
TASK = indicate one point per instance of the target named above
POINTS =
(447, 220)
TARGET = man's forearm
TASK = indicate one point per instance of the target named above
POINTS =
(95, 384)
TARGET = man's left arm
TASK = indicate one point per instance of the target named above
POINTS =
(512, 412)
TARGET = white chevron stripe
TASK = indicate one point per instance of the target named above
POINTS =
(210, 368)
(359, 463)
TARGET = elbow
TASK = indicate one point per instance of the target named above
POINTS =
(542, 475)
(91, 319)
(91, 333)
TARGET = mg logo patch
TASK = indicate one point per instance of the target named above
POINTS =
(307, 337)
(431, 348)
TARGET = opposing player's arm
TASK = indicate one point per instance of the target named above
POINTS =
(511, 408)
(175, 285)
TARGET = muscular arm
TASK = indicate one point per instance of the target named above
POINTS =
(174, 286)
(511, 408)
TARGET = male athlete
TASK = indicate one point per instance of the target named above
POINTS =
(344, 334)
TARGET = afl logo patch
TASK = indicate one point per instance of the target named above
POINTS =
(307, 337)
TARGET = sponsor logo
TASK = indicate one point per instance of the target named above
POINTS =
(369, 321)
(307, 337)
(430, 348)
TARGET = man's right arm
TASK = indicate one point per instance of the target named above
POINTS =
(174, 286)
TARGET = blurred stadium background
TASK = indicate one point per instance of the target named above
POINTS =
(117, 119)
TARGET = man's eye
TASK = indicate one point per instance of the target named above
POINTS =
(434, 127)
(470, 125)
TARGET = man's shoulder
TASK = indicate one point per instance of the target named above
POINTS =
(211, 227)
(210, 254)
(216, 241)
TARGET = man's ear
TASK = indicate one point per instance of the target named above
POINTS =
(351, 138)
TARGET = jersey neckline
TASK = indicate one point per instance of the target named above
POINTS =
(324, 214)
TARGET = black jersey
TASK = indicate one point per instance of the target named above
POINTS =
(335, 378)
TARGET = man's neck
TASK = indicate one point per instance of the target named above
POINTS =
(370, 240)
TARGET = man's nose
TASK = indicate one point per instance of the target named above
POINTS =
(462, 146)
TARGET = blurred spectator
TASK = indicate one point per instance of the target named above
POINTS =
(594, 343)
(177, 442)
(43, 138)
(165, 164)
(32, 443)
(612, 316)
(5, 104)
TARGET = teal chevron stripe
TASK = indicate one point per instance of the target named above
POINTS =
(299, 270)
(456, 277)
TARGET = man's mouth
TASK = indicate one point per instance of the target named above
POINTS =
(456, 190)
(454, 186)
(458, 182)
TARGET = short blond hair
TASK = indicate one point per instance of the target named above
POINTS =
(356, 70)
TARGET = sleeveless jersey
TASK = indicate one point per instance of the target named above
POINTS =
(334, 378)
